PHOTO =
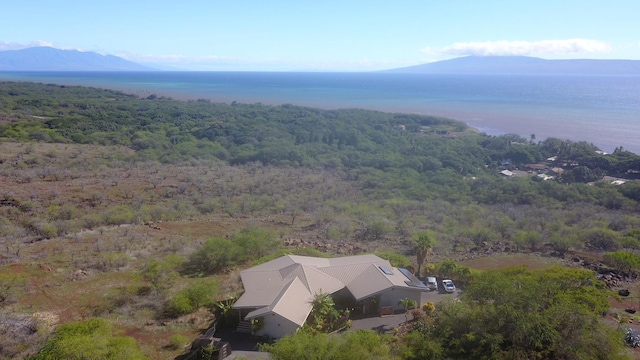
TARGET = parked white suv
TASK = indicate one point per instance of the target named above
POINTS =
(449, 286)
(432, 284)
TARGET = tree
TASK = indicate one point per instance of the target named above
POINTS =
(255, 243)
(562, 241)
(423, 242)
(623, 261)
(323, 315)
(215, 255)
(162, 273)
(407, 304)
(10, 286)
(199, 293)
(530, 238)
(375, 229)
(601, 238)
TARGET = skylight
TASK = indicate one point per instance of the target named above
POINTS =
(385, 270)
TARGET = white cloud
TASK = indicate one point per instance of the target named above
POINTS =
(217, 62)
(549, 47)
(428, 50)
(16, 46)
(173, 58)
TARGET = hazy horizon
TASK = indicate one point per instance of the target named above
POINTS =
(328, 36)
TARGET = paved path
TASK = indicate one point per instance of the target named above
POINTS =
(247, 355)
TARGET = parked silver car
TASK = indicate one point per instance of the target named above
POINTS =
(448, 285)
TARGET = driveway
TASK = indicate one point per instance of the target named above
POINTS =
(386, 324)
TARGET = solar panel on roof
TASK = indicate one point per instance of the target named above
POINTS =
(385, 270)
(413, 281)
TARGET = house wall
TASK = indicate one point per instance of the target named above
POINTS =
(275, 326)
(392, 297)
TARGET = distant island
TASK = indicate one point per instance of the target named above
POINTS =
(50, 59)
(524, 65)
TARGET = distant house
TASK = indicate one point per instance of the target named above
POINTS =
(506, 173)
(535, 167)
(556, 171)
(280, 291)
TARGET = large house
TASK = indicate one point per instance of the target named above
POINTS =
(280, 291)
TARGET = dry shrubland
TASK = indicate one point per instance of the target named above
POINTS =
(79, 224)
(82, 228)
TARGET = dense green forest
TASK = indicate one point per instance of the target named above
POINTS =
(418, 156)
(87, 172)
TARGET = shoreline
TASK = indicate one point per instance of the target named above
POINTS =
(453, 114)
(489, 117)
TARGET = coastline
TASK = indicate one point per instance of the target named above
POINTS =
(608, 123)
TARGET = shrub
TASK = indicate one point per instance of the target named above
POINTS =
(601, 238)
(216, 254)
(623, 261)
(428, 308)
(91, 339)
(92, 221)
(416, 314)
(375, 230)
(396, 260)
(178, 341)
(121, 214)
(179, 305)
(47, 230)
(162, 273)
(198, 294)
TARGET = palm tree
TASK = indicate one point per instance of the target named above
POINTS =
(423, 242)
(407, 304)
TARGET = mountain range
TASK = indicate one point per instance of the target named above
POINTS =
(51, 59)
(525, 65)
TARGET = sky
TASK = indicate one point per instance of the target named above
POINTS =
(327, 35)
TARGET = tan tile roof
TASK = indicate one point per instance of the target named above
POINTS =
(373, 281)
(255, 298)
(284, 285)
(293, 292)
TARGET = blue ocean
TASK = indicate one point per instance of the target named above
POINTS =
(604, 110)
